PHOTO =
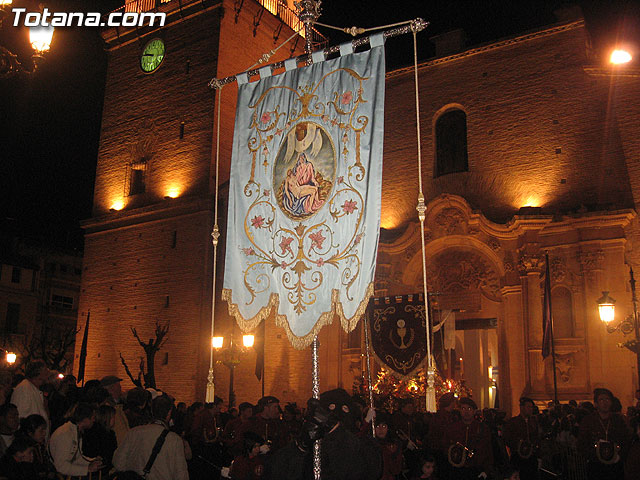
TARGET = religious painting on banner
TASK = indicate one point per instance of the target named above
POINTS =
(304, 193)
(398, 335)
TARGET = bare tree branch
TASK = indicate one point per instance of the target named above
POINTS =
(137, 382)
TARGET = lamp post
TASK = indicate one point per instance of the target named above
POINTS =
(606, 309)
(231, 357)
(39, 37)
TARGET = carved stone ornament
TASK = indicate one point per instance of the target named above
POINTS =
(593, 260)
(508, 267)
(565, 362)
(558, 269)
(530, 263)
(450, 221)
(456, 270)
(493, 244)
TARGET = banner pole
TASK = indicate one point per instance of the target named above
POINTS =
(416, 25)
(308, 13)
(370, 387)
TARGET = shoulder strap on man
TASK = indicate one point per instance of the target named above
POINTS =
(154, 453)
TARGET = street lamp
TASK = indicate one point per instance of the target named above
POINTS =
(231, 357)
(39, 38)
(606, 308)
(620, 56)
(11, 358)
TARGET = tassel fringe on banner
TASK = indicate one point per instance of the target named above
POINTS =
(299, 343)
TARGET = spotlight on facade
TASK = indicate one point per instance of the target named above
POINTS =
(606, 308)
(619, 56)
(247, 340)
(216, 342)
(11, 358)
(172, 193)
(117, 205)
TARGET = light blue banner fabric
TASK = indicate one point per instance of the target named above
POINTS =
(304, 195)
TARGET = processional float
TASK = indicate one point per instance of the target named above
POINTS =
(305, 191)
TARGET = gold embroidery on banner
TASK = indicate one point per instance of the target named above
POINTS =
(409, 365)
(299, 343)
(299, 256)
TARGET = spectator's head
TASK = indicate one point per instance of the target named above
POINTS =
(603, 398)
(407, 407)
(37, 373)
(112, 384)
(467, 409)
(382, 425)
(84, 416)
(526, 407)
(181, 407)
(21, 449)
(195, 407)
(161, 408)
(270, 407)
(106, 416)
(35, 427)
(138, 398)
(246, 411)
(447, 402)
(9, 419)
(509, 472)
(428, 465)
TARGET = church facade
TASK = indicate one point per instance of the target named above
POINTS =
(529, 148)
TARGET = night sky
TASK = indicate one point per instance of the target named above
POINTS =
(50, 121)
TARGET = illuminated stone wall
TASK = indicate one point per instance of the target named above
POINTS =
(544, 129)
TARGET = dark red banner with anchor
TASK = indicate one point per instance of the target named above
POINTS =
(398, 338)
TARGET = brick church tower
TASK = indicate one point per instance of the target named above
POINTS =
(148, 250)
(529, 147)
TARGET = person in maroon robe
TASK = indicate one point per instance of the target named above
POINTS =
(467, 445)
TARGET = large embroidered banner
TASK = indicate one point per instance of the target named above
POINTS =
(304, 194)
(398, 335)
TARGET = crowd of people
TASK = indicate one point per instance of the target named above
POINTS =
(52, 429)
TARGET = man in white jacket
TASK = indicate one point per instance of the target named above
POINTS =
(27, 395)
(65, 445)
(135, 451)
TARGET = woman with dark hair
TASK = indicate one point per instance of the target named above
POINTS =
(34, 427)
(390, 448)
(100, 439)
(17, 463)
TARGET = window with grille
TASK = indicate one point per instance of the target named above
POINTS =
(62, 301)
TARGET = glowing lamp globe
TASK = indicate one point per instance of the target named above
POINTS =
(11, 358)
(216, 342)
(619, 57)
(247, 340)
(606, 308)
(40, 38)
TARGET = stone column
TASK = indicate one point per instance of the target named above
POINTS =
(531, 266)
(512, 353)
